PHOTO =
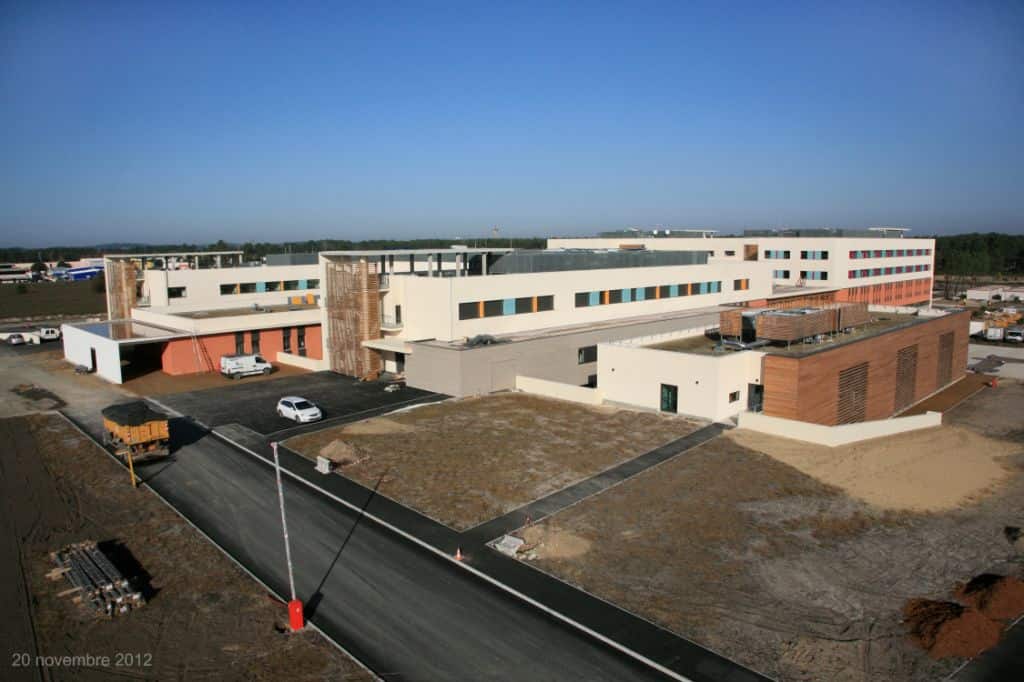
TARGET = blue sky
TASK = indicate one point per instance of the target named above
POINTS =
(198, 121)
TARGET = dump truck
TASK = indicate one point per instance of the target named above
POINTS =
(136, 429)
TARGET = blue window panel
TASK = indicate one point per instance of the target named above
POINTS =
(702, 288)
(673, 290)
(627, 295)
(302, 284)
(261, 287)
(640, 293)
(508, 306)
(595, 298)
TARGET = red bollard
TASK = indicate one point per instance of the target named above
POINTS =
(295, 617)
(994, 383)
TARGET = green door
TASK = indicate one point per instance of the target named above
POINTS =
(669, 398)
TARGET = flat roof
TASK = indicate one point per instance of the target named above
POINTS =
(881, 323)
(130, 331)
(235, 312)
(415, 252)
(164, 254)
(698, 317)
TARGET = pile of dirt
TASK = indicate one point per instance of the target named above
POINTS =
(996, 596)
(341, 452)
(946, 629)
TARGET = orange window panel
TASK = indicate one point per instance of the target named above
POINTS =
(534, 304)
(479, 308)
(604, 297)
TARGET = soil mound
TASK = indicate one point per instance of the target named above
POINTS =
(947, 629)
(996, 596)
(341, 452)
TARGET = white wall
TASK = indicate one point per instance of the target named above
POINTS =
(78, 347)
(203, 286)
(430, 305)
(560, 391)
(843, 434)
(230, 323)
(312, 364)
(633, 375)
(837, 265)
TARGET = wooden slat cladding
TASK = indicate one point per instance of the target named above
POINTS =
(730, 323)
(851, 402)
(783, 327)
(906, 376)
(944, 365)
(807, 388)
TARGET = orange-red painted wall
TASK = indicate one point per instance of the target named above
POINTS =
(180, 356)
(907, 292)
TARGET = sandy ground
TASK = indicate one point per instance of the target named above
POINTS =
(205, 620)
(930, 470)
(782, 572)
(466, 461)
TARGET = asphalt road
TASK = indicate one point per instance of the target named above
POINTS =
(405, 612)
(252, 404)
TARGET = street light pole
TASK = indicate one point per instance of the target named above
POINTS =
(295, 616)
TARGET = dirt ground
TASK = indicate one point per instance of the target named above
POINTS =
(157, 383)
(52, 298)
(929, 470)
(785, 573)
(205, 619)
(466, 461)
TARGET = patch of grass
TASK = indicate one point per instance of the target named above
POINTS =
(51, 298)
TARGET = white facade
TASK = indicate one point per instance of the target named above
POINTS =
(788, 257)
(712, 387)
(205, 289)
(430, 306)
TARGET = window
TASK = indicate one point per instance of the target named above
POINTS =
(734, 397)
(271, 286)
(524, 304)
(814, 255)
(650, 293)
(582, 299)
(813, 274)
(301, 334)
(239, 343)
(286, 339)
(247, 288)
(586, 354)
(776, 254)
(740, 284)
(730, 253)
(398, 314)
(254, 339)
(291, 285)
(175, 292)
(615, 295)
(494, 308)
(469, 311)
(664, 291)
(228, 289)
(545, 303)
(780, 274)
(312, 284)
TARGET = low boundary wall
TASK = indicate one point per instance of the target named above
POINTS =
(843, 434)
(556, 389)
(312, 364)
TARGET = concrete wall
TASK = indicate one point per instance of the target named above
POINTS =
(202, 287)
(166, 317)
(79, 346)
(460, 371)
(430, 305)
(833, 436)
(554, 389)
(633, 375)
(312, 364)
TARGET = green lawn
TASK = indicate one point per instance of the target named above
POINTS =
(51, 298)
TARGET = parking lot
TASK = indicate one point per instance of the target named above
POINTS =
(252, 403)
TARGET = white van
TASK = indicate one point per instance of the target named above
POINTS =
(1014, 334)
(238, 366)
(49, 334)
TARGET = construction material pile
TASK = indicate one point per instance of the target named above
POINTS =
(95, 580)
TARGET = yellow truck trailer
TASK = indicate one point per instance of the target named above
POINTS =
(136, 429)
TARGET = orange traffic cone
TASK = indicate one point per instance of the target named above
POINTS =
(458, 554)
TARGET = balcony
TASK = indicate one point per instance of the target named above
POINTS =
(390, 323)
(385, 281)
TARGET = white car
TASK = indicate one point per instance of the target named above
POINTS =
(298, 409)
(16, 340)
